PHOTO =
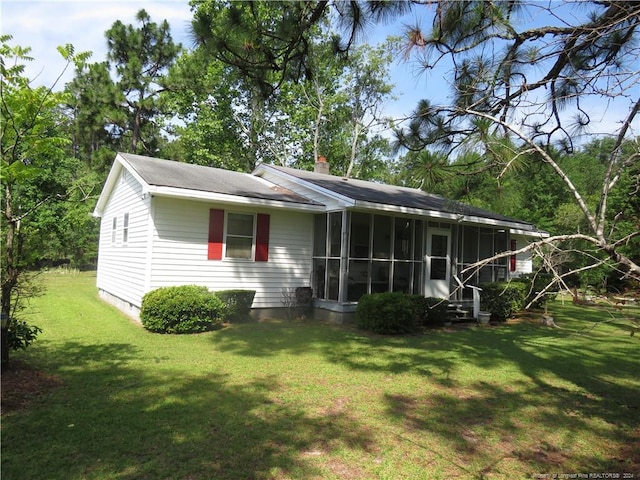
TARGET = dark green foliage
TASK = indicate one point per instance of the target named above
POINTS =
(430, 311)
(502, 299)
(436, 310)
(535, 283)
(387, 313)
(304, 299)
(237, 303)
(116, 105)
(183, 309)
(21, 334)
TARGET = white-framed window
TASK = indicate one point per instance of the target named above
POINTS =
(240, 235)
(114, 229)
(125, 228)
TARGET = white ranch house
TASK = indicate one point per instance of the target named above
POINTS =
(167, 223)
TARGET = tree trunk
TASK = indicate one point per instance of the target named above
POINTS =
(357, 129)
(10, 276)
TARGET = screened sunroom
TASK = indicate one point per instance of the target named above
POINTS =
(360, 252)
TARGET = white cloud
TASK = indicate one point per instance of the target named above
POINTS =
(44, 26)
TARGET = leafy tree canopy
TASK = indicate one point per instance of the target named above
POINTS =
(523, 80)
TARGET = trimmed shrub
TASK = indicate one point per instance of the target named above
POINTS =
(437, 309)
(183, 309)
(237, 303)
(502, 299)
(421, 309)
(430, 311)
(304, 301)
(536, 282)
(387, 313)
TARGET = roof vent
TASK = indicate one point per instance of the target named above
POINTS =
(321, 166)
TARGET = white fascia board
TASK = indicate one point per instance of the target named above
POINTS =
(520, 228)
(109, 184)
(496, 223)
(108, 187)
(346, 201)
(529, 233)
(112, 180)
(383, 207)
(173, 192)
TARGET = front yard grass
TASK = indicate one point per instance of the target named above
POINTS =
(299, 400)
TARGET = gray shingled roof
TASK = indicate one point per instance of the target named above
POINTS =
(360, 190)
(167, 173)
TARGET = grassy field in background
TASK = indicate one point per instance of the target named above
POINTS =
(305, 400)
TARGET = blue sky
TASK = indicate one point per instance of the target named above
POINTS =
(43, 25)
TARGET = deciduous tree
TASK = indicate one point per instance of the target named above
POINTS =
(33, 154)
(525, 77)
(513, 85)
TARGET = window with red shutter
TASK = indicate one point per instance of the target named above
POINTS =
(512, 258)
(262, 238)
(240, 236)
(216, 231)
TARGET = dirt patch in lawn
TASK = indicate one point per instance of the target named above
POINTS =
(22, 384)
(629, 456)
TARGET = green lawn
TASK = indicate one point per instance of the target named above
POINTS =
(303, 400)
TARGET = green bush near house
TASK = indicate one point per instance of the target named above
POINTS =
(536, 282)
(181, 309)
(436, 311)
(387, 313)
(237, 303)
(502, 299)
(430, 311)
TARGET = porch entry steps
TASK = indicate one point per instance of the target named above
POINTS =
(456, 313)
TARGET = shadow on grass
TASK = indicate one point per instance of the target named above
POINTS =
(595, 362)
(575, 380)
(110, 420)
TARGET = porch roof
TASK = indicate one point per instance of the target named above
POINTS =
(365, 193)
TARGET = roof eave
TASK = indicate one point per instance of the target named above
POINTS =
(514, 227)
(173, 192)
(114, 174)
(530, 233)
(343, 199)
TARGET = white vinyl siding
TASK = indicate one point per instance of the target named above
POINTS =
(114, 230)
(122, 256)
(125, 228)
(180, 252)
(524, 261)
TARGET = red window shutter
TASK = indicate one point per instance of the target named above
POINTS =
(512, 258)
(216, 231)
(262, 238)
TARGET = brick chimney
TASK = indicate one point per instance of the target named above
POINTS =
(321, 166)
